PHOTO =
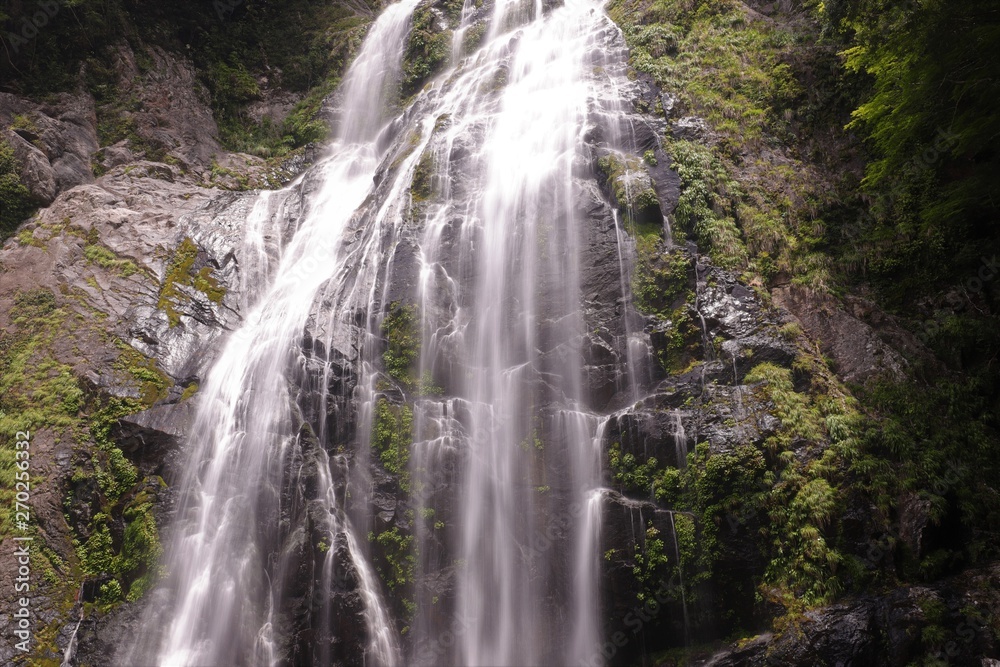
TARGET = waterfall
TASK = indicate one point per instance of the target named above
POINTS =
(680, 440)
(475, 205)
(70, 653)
(234, 546)
(502, 324)
(680, 578)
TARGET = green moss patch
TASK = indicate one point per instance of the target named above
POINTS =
(749, 203)
(392, 437)
(182, 273)
(119, 542)
(401, 328)
(629, 184)
(107, 259)
(427, 50)
(16, 203)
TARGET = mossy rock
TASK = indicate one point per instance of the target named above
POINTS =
(427, 51)
(628, 182)
(401, 328)
(16, 203)
(183, 273)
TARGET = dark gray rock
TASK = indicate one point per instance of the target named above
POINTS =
(858, 351)
(690, 128)
(914, 523)
(174, 113)
(649, 609)
(37, 173)
(887, 630)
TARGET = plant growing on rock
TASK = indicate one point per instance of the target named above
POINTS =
(392, 436)
(182, 274)
(401, 328)
(427, 50)
(15, 199)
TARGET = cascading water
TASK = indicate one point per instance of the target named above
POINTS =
(680, 439)
(503, 323)
(487, 180)
(234, 549)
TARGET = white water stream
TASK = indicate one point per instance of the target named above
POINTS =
(488, 168)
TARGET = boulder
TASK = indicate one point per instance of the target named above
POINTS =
(855, 347)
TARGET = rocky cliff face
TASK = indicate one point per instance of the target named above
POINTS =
(114, 299)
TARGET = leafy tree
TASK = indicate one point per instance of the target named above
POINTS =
(931, 123)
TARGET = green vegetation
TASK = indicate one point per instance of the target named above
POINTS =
(747, 207)
(708, 203)
(24, 123)
(660, 279)
(218, 171)
(920, 228)
(779, 499)
(36, 391)
(784, 497)
(805, 495)
(131, 558)
(392, 435)
(800, 421)
(775, 189)
(189, 391)
(650, 562)
(628, 182)
(423, 178)
(182, 273)
(238, 50)
(938, 442)
(928, 113)
(399, 556)
(642, 478)
(401, 328)
(722, 490)
(660, 282)
(116, 475)
(132, 563)
(474, 36)
(396, 561)
(679, 347)
(427, 50)
(107, 259)
(309, 43)
(772, 187)
(141, 548)
(15, 200)
(41, 394)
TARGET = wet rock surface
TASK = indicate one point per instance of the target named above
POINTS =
(142, 213)
(123, 257)
(859, 352)
(53, 141)
(885, 630)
